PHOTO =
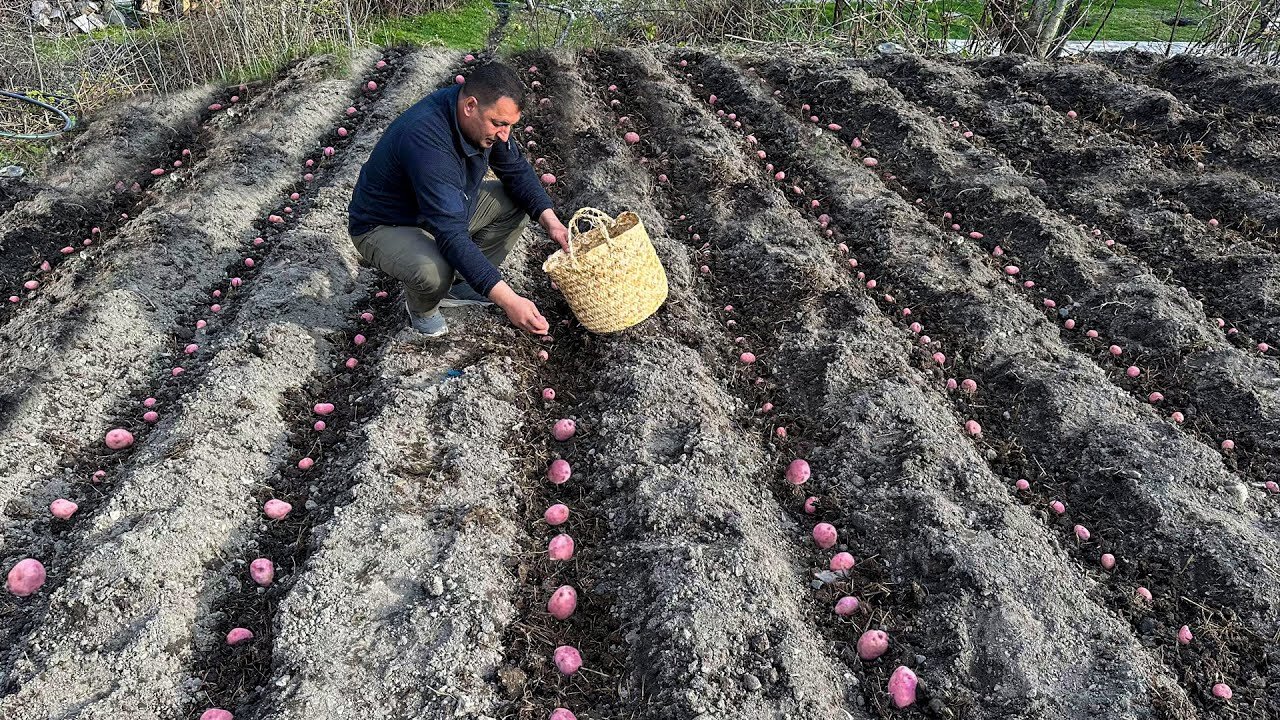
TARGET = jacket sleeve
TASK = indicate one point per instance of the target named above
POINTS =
(438, 182)
(519, 178)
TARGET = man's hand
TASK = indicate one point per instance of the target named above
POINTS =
(520, 311)
(555, 228)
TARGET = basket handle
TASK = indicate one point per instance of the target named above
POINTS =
(598, 218)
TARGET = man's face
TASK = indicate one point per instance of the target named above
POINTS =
(485, 126)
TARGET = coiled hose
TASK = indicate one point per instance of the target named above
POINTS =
(68, 120)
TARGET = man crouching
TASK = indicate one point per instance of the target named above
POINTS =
(423, 213)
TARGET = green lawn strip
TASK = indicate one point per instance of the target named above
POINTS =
(465, 27)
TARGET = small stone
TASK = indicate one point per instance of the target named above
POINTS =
(750, 682)
(437, 586)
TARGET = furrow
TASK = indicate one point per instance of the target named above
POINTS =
(68, 372)
(76, 467)
(1148, 495)
(704, 572)
(1148, 115)
(237, 676)
(107, 175)
(1238, 89)
(1122, 189)
(1225, 393)
(908, 492)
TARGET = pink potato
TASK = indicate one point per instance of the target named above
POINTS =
(825, 535)
(632, 138)
(1228, 445)
(1184, 635)
(562, 714)
(322, 408)
(1022, 485)
(811, 505)
(559, 471)
(1082, 532)
(873, 644)
(262, 571)
(548, 394)
(306, 463)
(216, 714)
(968, 385)
(276, 509)
(563, 602)
(560, 547)
(842, 562)
(239, 635)
(1108, 561)
(151, 416)
(556, 514)
(1143, 593)
(745, 357)
(119, 439)
(902, 687)
(798, 472)
(564, 429)
(847, 606)
(26, 577)
(548, 178)
(1222, 690)
(1058, 507)
(972, 427)
(870, 162)
(371, 86)
(567, 659)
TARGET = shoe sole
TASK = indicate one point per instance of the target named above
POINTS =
(459, 303)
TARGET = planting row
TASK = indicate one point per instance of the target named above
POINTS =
(1163, 348)
(1121, 188)
(1020, 366)
(108, 174)
(220, 393)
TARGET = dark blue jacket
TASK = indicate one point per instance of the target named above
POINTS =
(424, 172)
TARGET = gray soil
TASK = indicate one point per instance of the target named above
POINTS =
(412, 576)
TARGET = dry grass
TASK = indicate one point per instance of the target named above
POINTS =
(240, 40)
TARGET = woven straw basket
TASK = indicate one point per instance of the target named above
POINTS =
(611, 276)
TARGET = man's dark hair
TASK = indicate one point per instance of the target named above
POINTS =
(492, 81)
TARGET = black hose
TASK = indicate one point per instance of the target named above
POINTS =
(69, 122)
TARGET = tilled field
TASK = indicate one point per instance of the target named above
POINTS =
(1017, 318)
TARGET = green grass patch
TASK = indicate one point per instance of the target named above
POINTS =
(465, 27)
(30, 154)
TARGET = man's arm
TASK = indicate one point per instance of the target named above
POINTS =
(438, 184)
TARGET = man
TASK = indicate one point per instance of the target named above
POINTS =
(422, 210)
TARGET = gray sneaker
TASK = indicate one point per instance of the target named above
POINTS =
(431, 324)
(462, 294)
